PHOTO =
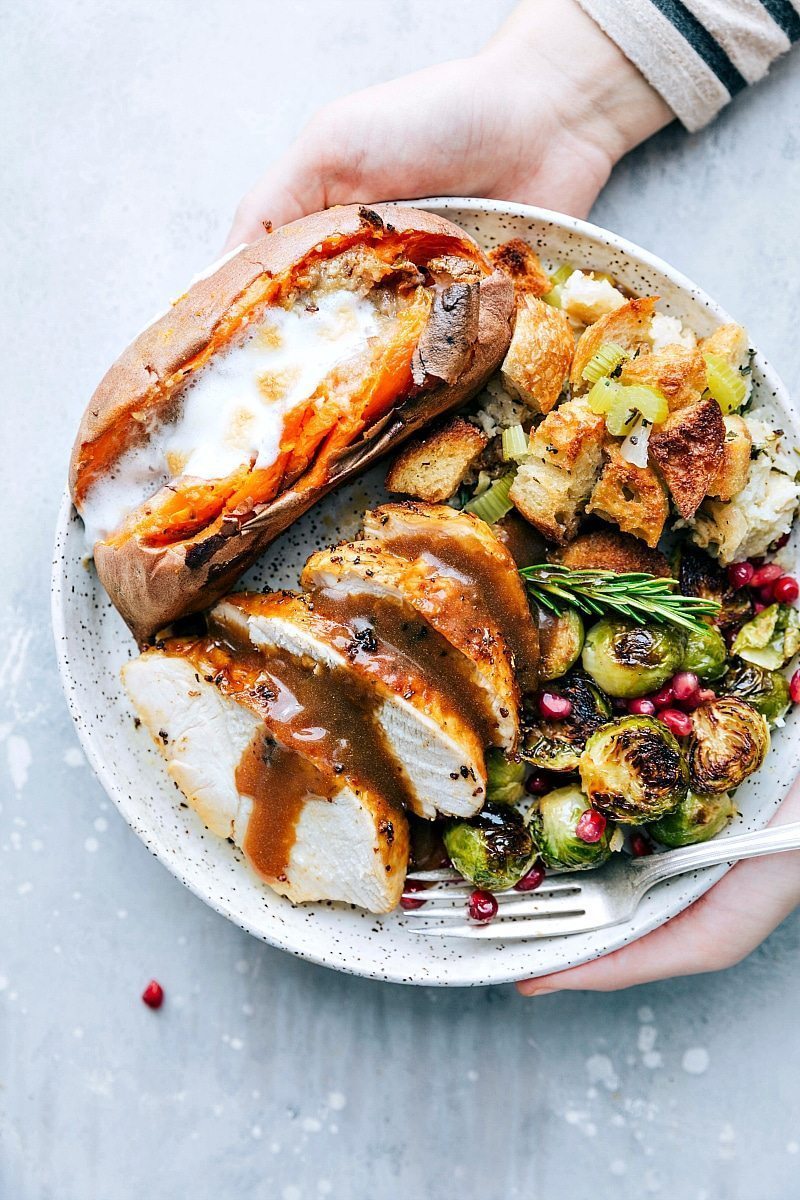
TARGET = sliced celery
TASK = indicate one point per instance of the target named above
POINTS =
(604, 362)
(651, 403)
(724, 383)
(602, 396)
(494, 503)
(557, 281)
(622, 418)
(515, 444)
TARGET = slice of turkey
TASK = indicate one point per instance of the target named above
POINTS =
(440, 753)
(341, 849)
(443, 602)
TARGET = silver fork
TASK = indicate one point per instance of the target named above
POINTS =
(583, 900)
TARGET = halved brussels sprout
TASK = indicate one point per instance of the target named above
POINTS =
(696, 819)
(553, 820)
(493, 849)
(558, 745)
(628, 660)
(634, 771)
(771, 638)
(705, 653)
(767, 691)
(505, 777)
(560, 642)
(729, 741)
(700, 575)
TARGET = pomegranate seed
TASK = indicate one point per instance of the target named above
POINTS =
(766, 574)
(701, 696)
(766, 594)
(409, 902)
(553, 707)
(153, 994)
(482, 906)
(758, 607)
(642, 707)
(640, 847)
(591, 826)
(794, 688)
(533, 879)
(538, 784)
(685, 685)
(786, 590)
(740, 574)
(677, 722)
(664, 697)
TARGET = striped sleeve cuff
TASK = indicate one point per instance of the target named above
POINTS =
(699, 53)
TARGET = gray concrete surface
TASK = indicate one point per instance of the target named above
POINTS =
(131, 129)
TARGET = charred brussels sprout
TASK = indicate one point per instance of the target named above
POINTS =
(696, 819)
(729, 741)
(505, 777)
(767, 691)
(771, 638)
(560, 642)
(700, 575)
(558, 745)
(628, 660)
(634, 771)
(706, 653)
(492, 850)
(553, 822)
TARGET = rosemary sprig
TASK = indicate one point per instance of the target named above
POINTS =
(635, 595)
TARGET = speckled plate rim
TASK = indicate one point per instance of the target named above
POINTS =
(466, 971)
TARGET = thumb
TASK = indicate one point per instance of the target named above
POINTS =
(289, 189)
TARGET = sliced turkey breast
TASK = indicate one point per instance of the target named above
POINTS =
(436, 745)
(446, 604)
(462, 546)
(253, 766)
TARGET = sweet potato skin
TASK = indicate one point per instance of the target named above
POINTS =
(152, 586)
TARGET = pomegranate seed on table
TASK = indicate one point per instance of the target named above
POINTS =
(786, 590)
(642, 707)
(482, 906)
(740, 574)
(409, 902)
(153, 994)
(685, 685)
(794, 688)
(766, 574)
(677, 722)
(553, 707)
(591, 826)
(537, 784)
(532, 880)
(640, 847)
(664, 697)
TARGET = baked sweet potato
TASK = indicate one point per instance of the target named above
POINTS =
(296, 364)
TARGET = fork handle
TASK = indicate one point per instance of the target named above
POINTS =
(730, 849)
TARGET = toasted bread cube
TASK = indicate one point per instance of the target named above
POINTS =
(670, 331)
(609, 550)
(679, 374)
(687, 449)
(734, 470)
(586, 299)
(729, 342)
(538, 360)
(521, 263)
(631, 497)
(433, 467)
(628, 327)
(554, 483)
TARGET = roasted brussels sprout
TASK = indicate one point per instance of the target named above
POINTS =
(767, 691)
(771, 638)
(493, 850)
(696, 819)
(553, 820)
(558, 745)
(560, 642)
(629, 660)
(729, 741)
(505, 777)
(634, 771)
(705, 653)
(700, 575)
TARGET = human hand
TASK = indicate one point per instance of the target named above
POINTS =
(541, 115)
(718, 931)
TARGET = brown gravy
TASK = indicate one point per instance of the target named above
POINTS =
(493, 584)
(320, 731)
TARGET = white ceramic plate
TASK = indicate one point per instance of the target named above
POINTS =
(92, 643)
